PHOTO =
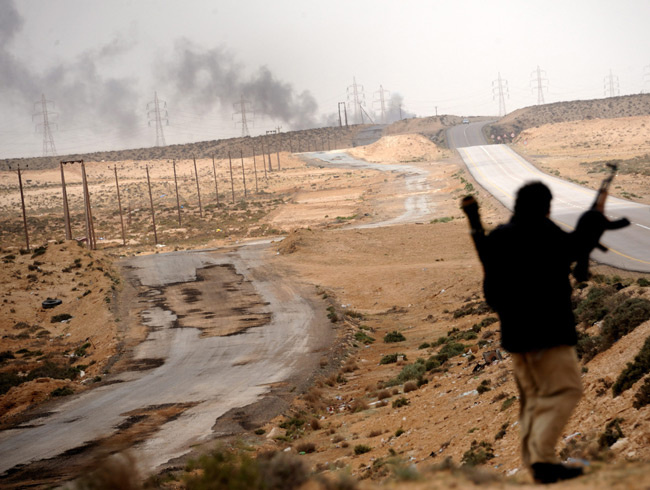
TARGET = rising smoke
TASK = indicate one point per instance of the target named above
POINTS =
(79, 88)
(211, 78)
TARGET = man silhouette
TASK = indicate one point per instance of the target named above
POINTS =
(527, 262)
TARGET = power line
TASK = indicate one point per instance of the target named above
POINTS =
(382, 102)
(158, 116)
(357, 97)
(500, 89)
(611, 86)
(48, 140)
(244, 119)
(541, 83)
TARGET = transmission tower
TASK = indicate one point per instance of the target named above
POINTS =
(48, 140)
(157, 112)
(241, 109)
(381, 100)
(539, 83)
(500, 89)
(357, 98)
(646, 80)
(611, 85)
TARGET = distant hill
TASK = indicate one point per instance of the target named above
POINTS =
(609, 108)
(305, 140)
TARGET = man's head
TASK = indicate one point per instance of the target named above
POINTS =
(533, 201)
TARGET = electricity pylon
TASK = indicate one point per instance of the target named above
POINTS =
(157, 112)
(500, 90)
(382, 102)
(357, 98)
(244, 115)
(48, 141)
(611, 86)
(540, 83)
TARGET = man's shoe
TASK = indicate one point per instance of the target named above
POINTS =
(552, 472)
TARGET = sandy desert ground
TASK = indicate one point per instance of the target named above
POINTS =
(421, 280)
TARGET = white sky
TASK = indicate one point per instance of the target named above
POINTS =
(442, 54)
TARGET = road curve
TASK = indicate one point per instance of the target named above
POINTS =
(501, 171)
(215, 374)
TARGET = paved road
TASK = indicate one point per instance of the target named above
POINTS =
(501, 171)
(216, 373)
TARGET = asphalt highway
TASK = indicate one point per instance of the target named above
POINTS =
(501, 171)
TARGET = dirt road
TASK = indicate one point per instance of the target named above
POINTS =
(208, 375)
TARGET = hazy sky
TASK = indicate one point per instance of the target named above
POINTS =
(100, 61)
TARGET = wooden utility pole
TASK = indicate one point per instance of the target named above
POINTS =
(90, 226)
(153, 214)
(198, 190)
(66, 210)
(178, 200)
(119, 205)
(232, 183)
(257, 190)
(216, 186)
(278, 155)
(243, 172)
(22, 202)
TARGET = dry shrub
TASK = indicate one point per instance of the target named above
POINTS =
(331, 380)
(383, 394)
(375, 433)
(410, 386)
(350, 366)
(337, 438)
(313, 396)
(116, 471)
(359, 405)
(306, 447)
(315, 424)
(395, 391)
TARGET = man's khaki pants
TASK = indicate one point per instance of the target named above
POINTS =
(549, 388)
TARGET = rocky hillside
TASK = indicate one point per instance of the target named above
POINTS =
(529, 117)
(293, 141)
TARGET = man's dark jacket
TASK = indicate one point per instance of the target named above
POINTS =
(527, 264)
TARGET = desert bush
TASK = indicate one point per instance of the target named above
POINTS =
(507, 403)
(237, 471)
(8, 380)
(594, 307)
(486, 322)
(478, 453)
(359, 405)
(383, 394)
(62, 391)
(502, 432)
(400, 402)
(60, 318)
(375, 433)
(391, 358)
(394, 336)
(332, 314)
(643, 282)
(314, 424)
(624, 319)
(642, 397)
(362, 449)
(634, 371)
(50, 369)
(399, 432)
(424, 345)
(6, 355)
(363, 337)
(484, 386)
(410, 386)
(306, 447)
(588, 346)
(612, 433)
(472, 308)
(408, 373)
